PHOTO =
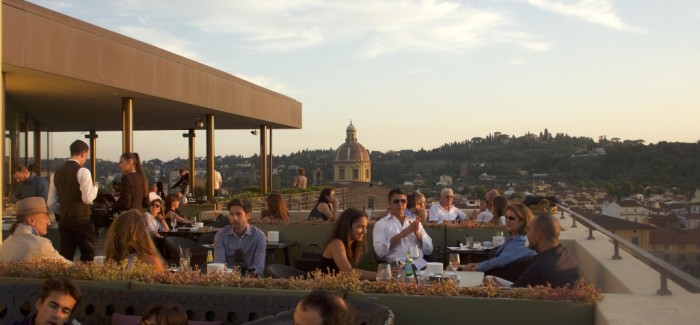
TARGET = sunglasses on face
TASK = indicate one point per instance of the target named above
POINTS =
(397, 201)
(155, 205)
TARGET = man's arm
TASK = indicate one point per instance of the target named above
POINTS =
(219, 246)
(433, 213)
(259, 253)
(87, 189)
(52, 200)
(42, 187)
(427, 247)
(380, 240)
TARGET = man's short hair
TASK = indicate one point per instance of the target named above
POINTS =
(241, 202)
(413, 198)
(548, 226)
(331, 308)
(19, 168)
(62, 285)
(445, 191)
(78, 147)
(395, 191)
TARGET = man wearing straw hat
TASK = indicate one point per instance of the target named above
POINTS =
(26, 242)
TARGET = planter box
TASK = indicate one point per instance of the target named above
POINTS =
(458, 310)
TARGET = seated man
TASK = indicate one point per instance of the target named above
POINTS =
(444, 211)
(485, 215)
(554, 264)
(240, 238)
(25, 242)
(28, 184)
(395, 233)
(56, 302)
(322, 308)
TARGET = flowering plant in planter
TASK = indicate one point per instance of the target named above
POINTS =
(342, 282)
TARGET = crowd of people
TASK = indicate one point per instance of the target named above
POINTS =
(398, 232)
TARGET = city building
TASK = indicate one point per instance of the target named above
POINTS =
(352, 163)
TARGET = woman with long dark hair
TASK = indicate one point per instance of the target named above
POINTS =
(346, 245)
(134, 187)
(275, 208)
(326, 207)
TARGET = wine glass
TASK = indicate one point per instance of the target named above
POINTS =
(173, 223)
(454, 261)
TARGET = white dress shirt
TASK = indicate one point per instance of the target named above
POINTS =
(388, 227)
(88, 191)
(484, 216)
(440, 214)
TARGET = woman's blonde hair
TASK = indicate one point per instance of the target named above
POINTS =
(127, 235)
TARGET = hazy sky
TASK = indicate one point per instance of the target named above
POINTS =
(416, 74)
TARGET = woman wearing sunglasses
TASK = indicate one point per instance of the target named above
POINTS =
(155, 218)
(515, 247)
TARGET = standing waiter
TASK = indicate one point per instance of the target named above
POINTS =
(71, 193)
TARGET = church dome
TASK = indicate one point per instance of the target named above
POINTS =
(351, 150)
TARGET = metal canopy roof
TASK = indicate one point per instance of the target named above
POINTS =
(71, 76)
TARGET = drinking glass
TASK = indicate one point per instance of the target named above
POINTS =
(395, 267)
(383, 272)
(469, 242)
(173, 223)
(184, 264)
(454, 261)
(487, 245)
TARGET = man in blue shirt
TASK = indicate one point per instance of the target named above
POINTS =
(241, 242)
(28, 185)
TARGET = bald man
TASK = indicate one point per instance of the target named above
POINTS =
(322, 308)
(485, 215)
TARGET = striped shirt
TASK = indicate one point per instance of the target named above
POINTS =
(252, 243)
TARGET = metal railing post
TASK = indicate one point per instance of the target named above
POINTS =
(617, 250)
(573, 222)
(590, 233)
(663, 291)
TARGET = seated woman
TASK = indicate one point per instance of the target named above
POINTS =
(128, 239)
(275, 208)
(326, 207)
(172, 203)
(155, 218)
(346, 245)
(515, 247)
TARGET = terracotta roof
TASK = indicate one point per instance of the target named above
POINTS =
(674, 236)
(630, 204)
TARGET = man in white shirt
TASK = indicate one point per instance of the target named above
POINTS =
(217, 182)
(485, 215)
(26, 242)
(395, 234)
(444, 211)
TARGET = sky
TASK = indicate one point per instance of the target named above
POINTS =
(414, 74)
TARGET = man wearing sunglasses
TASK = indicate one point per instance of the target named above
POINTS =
(394, 235)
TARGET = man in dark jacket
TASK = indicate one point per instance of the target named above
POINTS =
(71, 193)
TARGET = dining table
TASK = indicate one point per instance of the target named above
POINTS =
(472, 254)
(274, 248)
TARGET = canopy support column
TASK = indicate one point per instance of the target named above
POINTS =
(210, 157)
(263, 159)
(127, 124)
(93, 153)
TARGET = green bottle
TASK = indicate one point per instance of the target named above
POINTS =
(408, 267)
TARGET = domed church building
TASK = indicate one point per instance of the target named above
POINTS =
(352, 163)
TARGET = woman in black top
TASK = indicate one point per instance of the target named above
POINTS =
(346, 245)
(134, 187)
(326, 206)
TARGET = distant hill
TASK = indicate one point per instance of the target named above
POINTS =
(625, 166)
